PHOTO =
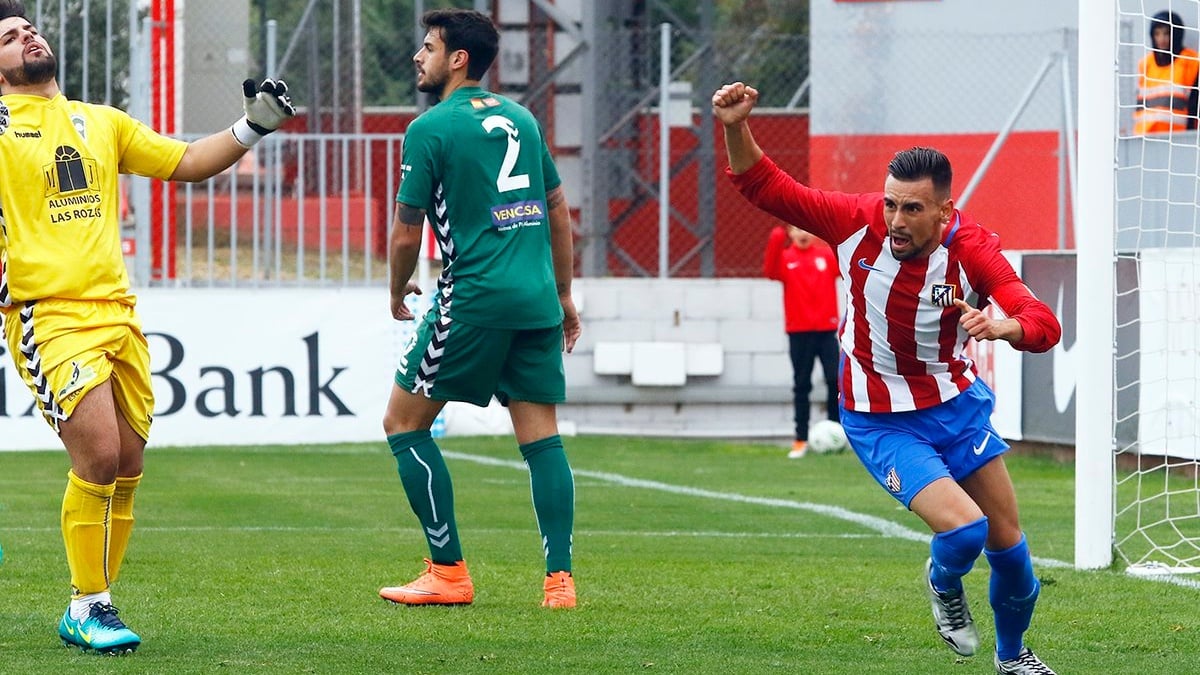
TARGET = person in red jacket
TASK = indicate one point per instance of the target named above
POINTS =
(808, 271)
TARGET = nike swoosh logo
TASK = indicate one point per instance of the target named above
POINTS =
(793, 265)
(862, 262)
(87, 637)
(1064, 367)
(978, 449)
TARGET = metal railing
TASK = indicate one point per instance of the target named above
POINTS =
(299, 210)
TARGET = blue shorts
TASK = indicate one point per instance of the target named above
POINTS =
(906, 451)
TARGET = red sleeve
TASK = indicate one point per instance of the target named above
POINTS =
(832, 216)
(773, 255)
(997, 282)
(1041, 327)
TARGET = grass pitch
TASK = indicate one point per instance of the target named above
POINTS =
(690, 557)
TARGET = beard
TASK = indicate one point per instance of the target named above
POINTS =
(37, 71)
(433, 85)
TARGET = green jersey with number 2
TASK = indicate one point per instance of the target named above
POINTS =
(478, 165)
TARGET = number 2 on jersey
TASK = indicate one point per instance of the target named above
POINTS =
(505, 180)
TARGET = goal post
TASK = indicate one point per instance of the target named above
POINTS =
(1137, 396)
(1095, 284)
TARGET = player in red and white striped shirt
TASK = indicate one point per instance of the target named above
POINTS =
(917, 272)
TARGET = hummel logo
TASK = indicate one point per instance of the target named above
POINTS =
(862, 262)
(978, 449)
(439, 537)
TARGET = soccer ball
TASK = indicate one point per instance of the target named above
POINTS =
(827, 437)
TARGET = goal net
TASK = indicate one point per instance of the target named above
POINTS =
(1138, 393)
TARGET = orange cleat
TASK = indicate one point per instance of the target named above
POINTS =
(799, 449)
(439, 585)
(560, 590)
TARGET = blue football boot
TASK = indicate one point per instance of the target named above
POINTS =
(100, 631)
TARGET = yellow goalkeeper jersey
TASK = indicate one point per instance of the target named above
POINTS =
(60, 234)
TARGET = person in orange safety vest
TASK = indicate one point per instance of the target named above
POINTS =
(1167, 88)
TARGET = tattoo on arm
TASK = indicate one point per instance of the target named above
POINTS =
(554, 198)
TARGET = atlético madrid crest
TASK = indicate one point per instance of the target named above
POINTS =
(892, 481)
(943, 295)
(3, 119)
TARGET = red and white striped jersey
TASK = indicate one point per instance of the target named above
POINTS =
(901, 338)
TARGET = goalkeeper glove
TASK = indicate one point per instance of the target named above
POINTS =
(267, 106)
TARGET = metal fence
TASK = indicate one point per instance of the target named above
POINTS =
(642, 164)
(258, 224)
(312, 205)
(93, 43)
(302, 209)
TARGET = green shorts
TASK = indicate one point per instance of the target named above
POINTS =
(448, 360)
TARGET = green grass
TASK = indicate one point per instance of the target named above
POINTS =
(690, 557)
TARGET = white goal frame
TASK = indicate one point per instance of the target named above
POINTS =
(1095, 286)
(1137, 462)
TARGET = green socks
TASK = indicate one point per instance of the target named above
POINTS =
(426, 481)
(553, 489)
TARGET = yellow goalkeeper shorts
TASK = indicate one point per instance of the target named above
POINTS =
(65, 348)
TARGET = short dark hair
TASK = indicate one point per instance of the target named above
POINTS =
(917, 163)
(11, 8)
(470, 31)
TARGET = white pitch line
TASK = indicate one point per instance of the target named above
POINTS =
(879, 525)
(252, 529)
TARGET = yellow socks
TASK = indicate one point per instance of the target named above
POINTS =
(86, 524)
(122, 523)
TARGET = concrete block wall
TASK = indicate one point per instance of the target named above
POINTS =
(752, 397)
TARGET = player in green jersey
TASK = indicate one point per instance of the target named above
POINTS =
(477, 166)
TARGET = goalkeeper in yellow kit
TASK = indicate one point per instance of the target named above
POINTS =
(69, 317)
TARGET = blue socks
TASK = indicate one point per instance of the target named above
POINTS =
(1013, 592)
(954, 553)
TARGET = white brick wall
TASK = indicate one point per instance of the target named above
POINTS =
(752, 397)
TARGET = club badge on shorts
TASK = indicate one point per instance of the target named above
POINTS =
(892, 481)
(943, 295)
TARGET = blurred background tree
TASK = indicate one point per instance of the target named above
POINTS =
(763, 41)
(307, 29)
(92, 49)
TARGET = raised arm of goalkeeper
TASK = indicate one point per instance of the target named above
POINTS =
(267, 106)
